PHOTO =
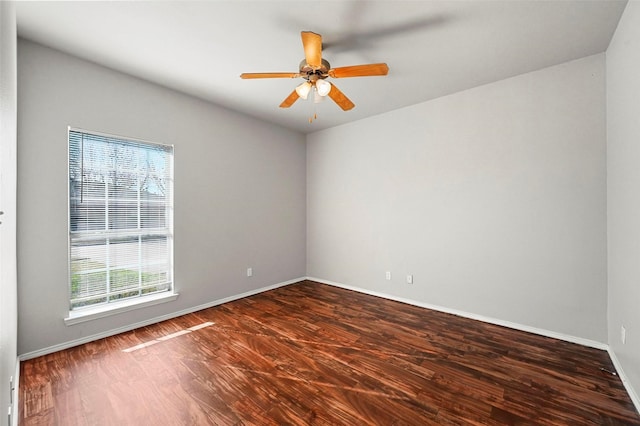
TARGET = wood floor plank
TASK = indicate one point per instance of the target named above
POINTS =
(312, 354)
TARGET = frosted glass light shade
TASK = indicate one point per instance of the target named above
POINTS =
(324, 87)
(303, 89)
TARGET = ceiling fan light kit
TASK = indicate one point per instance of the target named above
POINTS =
(303, 89)
(317, 97)
(323, 87)
(315, 70)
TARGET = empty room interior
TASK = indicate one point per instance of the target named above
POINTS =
(320, 212)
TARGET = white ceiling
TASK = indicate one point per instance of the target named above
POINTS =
(433, 48)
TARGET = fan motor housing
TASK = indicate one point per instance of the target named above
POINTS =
(309, 73)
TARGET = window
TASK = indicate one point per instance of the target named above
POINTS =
(120, 219)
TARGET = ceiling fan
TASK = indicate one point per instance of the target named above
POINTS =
(314, 70)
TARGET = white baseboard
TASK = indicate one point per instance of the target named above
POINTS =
(508, 324)
(547, 333)
(542, 332)
(129, 327)
(625, 380)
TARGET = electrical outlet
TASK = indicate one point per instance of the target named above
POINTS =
(388, 275)
(623, 334)
(249, 272)
(409, 279)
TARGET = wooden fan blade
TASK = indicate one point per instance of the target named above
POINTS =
(312, 44)
(269, 75)
(339, 98)
(290, 100)
(359, 70)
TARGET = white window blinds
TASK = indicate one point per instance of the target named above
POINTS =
(120, 218)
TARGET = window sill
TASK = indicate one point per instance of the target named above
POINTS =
(89, 314)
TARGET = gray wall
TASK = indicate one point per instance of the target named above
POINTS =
(8, 292)
(239, 190)
(623, 191)
(493, 198)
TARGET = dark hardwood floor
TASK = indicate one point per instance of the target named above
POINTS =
(310, 353)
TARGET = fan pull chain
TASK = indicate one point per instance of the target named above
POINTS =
(315, 114)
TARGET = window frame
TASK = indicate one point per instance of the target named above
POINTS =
(100, 310)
